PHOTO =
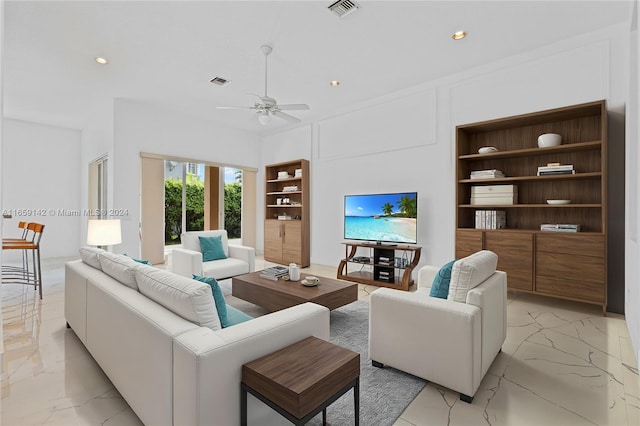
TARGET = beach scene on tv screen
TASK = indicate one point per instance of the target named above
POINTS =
(381, 217)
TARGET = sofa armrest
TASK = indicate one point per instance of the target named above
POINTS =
(186, 262)
(208, 365)
(426, 275)
(436, 339)
(248, 254)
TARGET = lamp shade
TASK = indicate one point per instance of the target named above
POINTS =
(104, 232)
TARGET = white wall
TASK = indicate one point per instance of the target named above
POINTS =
(632, 264)
(406, 141)
(41, 180)
(139, 127)
(97, 141)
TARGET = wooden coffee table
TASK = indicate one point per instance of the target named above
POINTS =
(303, 379)
(281, 294)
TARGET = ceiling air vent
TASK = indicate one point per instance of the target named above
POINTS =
(219, 81)
(343, 7)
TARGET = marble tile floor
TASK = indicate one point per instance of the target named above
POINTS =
(562, 364)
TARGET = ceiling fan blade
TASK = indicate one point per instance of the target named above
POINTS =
(285, 116)
(292, 107)
(234, 107)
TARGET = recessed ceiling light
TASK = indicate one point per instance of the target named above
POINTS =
(459, 35)
(334, 83)
(102, 61)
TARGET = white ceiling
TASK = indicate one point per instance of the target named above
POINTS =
(167, 51)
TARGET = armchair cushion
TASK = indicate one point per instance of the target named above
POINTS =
(211, 248)
(440, 286)
(469, 272)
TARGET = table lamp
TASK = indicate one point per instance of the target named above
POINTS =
(104, 232)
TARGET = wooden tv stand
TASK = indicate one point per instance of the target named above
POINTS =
(377, 265)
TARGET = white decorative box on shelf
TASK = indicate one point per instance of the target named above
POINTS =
(494, 195)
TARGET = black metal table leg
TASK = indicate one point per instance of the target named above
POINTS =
(356, 401)
(243, 405)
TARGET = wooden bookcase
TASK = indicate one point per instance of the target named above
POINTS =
(287, 240)
(560, 264)
(380, 268)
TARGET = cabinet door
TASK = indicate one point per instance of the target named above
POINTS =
(515, 256)
(292, 241)
(467, 242)
(571, 266)
(273, 240)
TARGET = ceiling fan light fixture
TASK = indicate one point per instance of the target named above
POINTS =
(264, 118)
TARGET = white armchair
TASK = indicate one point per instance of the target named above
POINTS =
(441, 340)
(188, 259)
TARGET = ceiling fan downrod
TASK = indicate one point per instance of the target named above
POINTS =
(266, 50)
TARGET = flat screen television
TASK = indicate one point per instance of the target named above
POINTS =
(390, 218)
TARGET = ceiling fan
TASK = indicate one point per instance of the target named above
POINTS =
(268, 106)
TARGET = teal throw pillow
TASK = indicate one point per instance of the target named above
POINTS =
(218, 298)
(211, 248)
(440, 286)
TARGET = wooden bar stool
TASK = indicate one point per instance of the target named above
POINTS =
(17, 275)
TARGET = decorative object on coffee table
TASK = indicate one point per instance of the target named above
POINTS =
(303, 379)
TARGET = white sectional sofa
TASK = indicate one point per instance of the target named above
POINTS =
(157, 337)
(187, 261)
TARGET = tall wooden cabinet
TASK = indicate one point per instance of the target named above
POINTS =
(286, 224)
(568, 265)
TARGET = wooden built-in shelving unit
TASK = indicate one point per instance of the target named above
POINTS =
(559, 264)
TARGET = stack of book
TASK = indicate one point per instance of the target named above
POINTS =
(383, 260)
(491, 219)
(274, 273)
(486, 174)
(556, 169)
(560, 227)
(385, 276)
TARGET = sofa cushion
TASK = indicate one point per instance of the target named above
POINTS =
(440, 286)
(218, 297)
(225, 268)
(190, 240)
(190, 299)
(119, 267)
(89, 255)
(469, 272)
(211, 248)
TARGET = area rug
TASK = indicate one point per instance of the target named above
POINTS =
(384, 392)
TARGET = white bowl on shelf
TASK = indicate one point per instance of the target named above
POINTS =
(558, 202)
(487, 149)
(549, 139)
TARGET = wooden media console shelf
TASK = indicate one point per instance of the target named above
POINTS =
(378, 264)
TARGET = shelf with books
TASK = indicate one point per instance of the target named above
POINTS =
(579, 179)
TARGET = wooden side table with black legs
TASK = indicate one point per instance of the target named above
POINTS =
(303, 379)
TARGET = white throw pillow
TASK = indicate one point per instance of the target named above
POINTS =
(119, 267)
(469, 272)
(89, 255)
(191, 299)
